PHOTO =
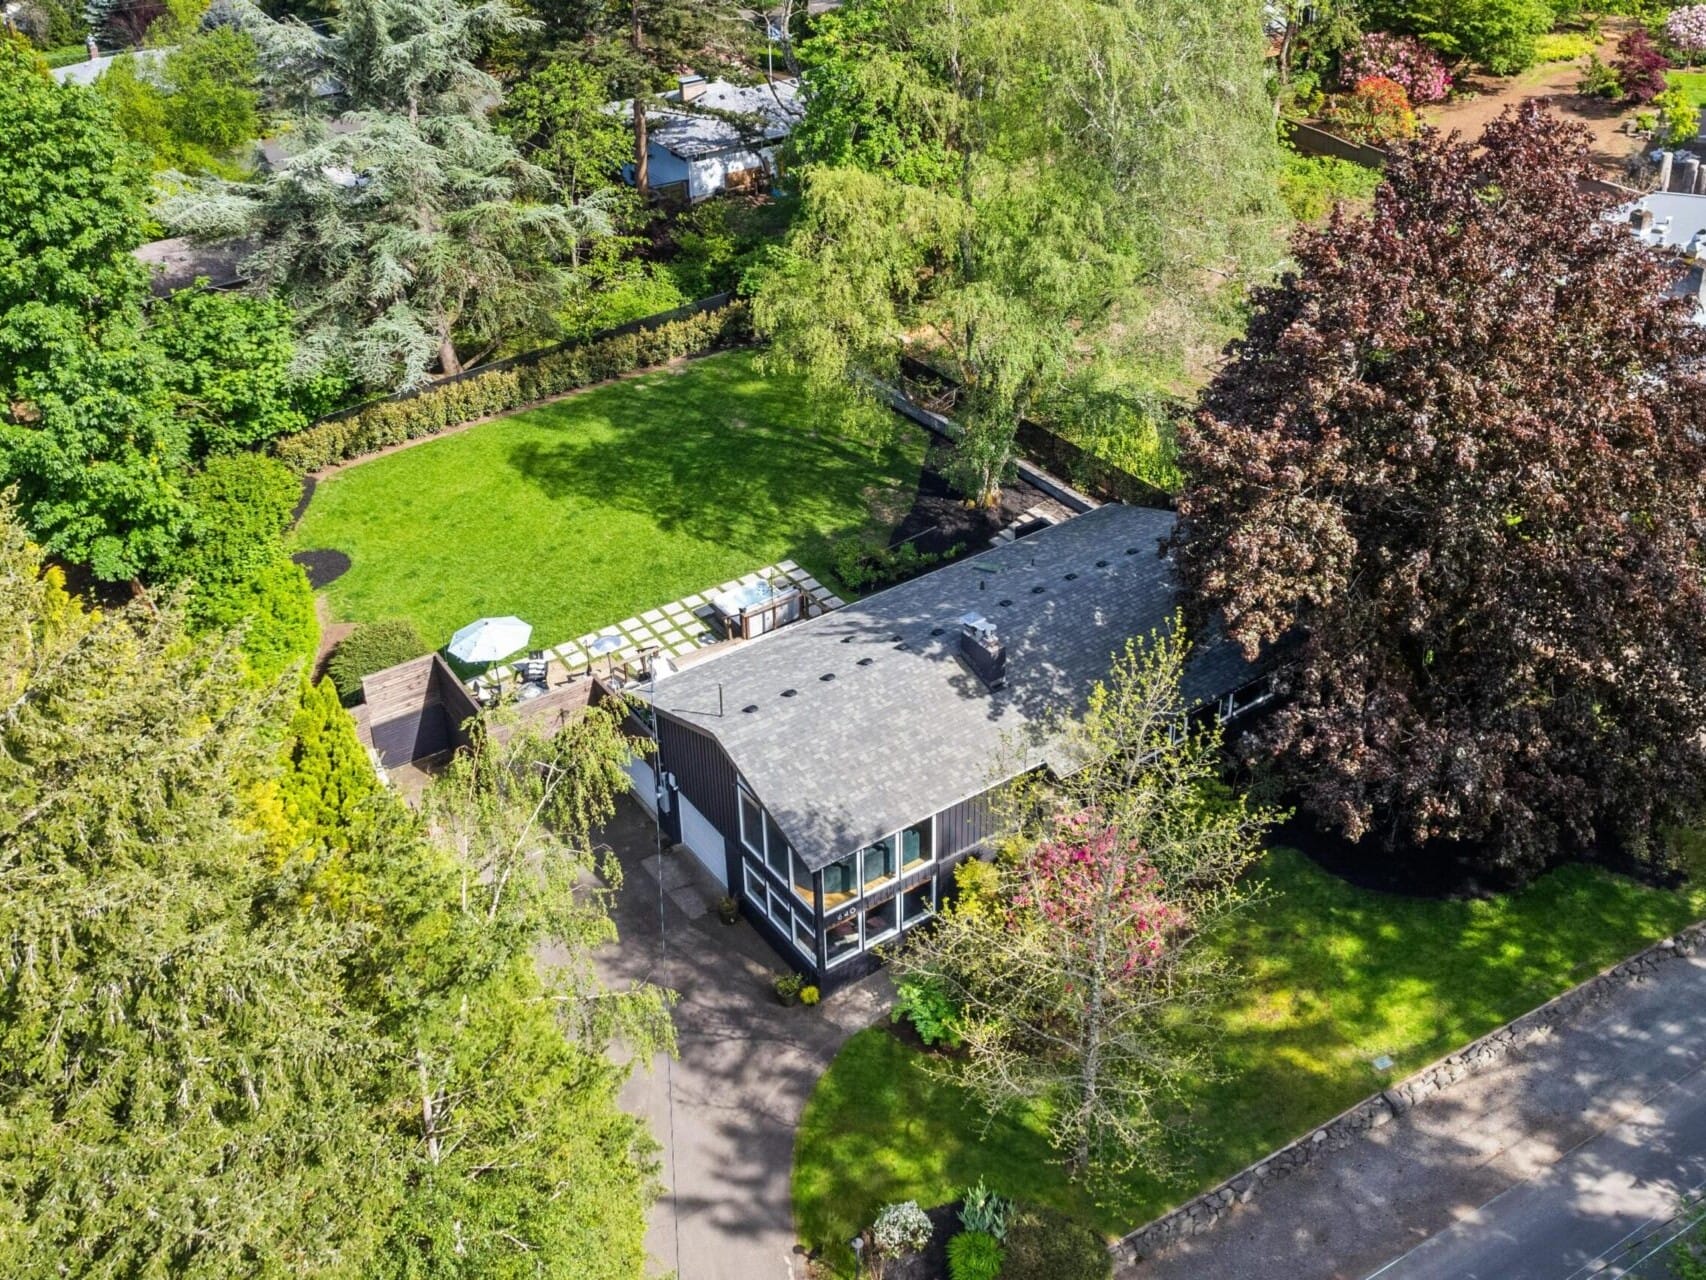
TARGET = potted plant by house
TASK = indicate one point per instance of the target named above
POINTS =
(728, 910)
(788, 988)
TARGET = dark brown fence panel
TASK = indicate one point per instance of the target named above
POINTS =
(1318, 142)
(1050, 450)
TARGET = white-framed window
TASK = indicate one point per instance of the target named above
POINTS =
(878, 863)
(775, 847)
(841, 939)
(757, 892)
(918, 903)
(882, 921)
(918, 845)
(841, 882)
(805, 939)
(805, 884)
(751, 823)
(781, 914)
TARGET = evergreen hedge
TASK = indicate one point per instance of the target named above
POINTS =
(506, 386)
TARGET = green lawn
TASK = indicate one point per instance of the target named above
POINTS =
(595, 508)
(1335, 976)
(1693, 82)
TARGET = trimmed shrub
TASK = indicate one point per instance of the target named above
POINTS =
(974, 1255)
(274, 607)
(434, 409)
(371, 647)
(1046, 1244)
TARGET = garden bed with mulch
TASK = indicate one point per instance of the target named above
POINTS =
(322, 566)
(940, 520)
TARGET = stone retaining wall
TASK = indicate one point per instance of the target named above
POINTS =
(1194, 1217)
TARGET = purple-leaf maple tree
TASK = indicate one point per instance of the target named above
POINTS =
(1454, 473)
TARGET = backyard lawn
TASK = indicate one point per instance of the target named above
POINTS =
(590, 510)
(1336, 975)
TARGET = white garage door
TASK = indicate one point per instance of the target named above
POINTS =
(704, 840)
(645, 784)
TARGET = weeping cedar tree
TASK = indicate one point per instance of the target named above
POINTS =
(1458, 461)
(1016, 186)
(1081, 982)
(245, 1031)
(419, 231)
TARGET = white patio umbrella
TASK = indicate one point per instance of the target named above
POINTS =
(490, 639)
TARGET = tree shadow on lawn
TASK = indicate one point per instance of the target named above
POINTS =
(726, 457)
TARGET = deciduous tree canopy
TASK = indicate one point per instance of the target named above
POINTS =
(1455, 470)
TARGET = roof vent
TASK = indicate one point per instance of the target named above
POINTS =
(1101, 564)
(1038, 589)
(983, 650)
(1131, 551)
(865, 662)
(749, 708)
(936, 631)
(790, 693)
(1005, 604)
(1072, 577)
(827, 676)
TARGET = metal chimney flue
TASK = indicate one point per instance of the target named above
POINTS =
(983, 651)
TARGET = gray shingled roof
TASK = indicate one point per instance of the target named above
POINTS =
(911, 731)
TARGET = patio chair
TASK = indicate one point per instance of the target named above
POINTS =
(534, 670)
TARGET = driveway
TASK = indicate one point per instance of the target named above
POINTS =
(726, 1110)
(1547, 1167)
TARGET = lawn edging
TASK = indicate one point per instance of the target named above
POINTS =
(1200, 1214)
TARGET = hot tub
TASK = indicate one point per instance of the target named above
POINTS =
(751, 610)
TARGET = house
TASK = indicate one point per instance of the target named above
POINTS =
(833, 772)
(709, 136)
(1674, 222)
(95, 66)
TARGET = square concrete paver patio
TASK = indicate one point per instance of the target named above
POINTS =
(725, 1111)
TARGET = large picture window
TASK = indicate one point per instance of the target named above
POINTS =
(877, 862)
(754, 881)
(840, 882)
(918, 844)
(882, 921)
(841, 939)
(804, 938)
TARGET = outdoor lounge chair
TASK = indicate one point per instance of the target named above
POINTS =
(535, 670)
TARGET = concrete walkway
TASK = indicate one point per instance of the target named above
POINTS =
(1535, 1170)
(725, 1112)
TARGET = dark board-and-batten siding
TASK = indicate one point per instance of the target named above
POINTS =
(964, 825)
(706, 777)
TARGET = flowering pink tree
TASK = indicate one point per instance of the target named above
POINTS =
(1408, 63)
(1685, 29)
(1081, 982)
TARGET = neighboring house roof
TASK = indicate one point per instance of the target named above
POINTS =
(180, 262)
(692, 134)
(904, 729)
(1674, 221)
(91, 70)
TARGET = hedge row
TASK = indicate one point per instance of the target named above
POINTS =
(439, 408)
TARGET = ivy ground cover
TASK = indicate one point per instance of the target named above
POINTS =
(1336, 976)
(607, 503)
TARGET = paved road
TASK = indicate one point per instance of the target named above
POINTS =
(726, 1110)
(1537, 1170)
